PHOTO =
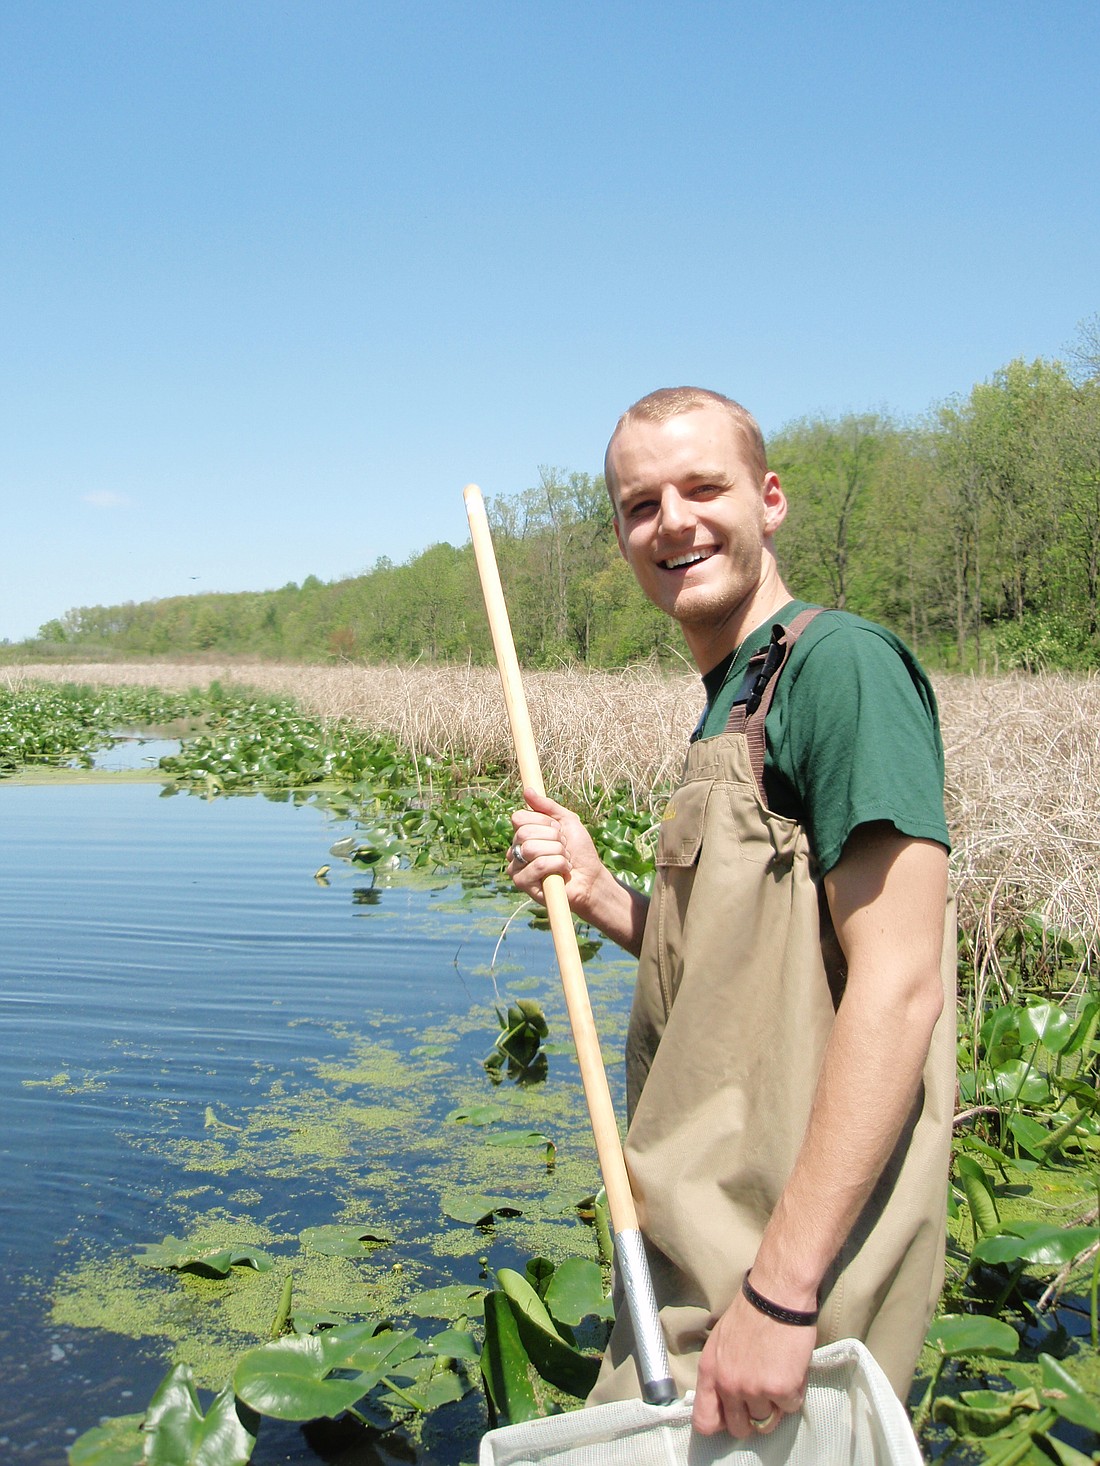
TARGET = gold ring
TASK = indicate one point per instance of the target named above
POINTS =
(764, 1423)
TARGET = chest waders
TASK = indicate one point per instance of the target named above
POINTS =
(738, 983)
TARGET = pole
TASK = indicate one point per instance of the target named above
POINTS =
(629, 1250)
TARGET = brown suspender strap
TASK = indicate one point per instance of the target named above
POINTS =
(754, 698)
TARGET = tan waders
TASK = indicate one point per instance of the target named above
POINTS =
(739, 978)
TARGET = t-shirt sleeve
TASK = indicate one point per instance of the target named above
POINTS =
(859, 740)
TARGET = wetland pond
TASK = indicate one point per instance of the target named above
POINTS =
(205, 1037)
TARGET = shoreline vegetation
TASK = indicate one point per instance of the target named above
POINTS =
(973, 532)
(1022, 758)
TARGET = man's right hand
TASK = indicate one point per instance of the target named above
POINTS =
(550, 840)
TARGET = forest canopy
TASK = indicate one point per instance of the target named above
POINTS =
(973, 532)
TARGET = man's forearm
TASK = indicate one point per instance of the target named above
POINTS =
(869, 1083)
(618, 911)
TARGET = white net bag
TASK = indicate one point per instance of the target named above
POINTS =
(850, 1417)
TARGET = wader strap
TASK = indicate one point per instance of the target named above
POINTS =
(754, 697)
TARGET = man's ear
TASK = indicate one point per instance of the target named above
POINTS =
(775, 503)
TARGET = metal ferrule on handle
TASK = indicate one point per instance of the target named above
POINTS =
(657, 1385)
(633, 1265)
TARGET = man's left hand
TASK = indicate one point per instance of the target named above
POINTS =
(752, 1372)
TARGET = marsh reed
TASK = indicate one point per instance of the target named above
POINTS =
(1022, 754)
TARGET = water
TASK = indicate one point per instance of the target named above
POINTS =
(163, 955)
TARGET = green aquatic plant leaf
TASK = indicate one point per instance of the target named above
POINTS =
(505, 1366)
(1065, 1454)
(556, 1360)
(460, 1206)
(1084, 1028)
(455, 1302)
(428, 1391)
(1046, 1024)
(1038, 1243)
(519, 1139)
(1030, 1135)
(979, 1195)
(538, 1271)
(1017, 1082)
(453, 1344)
(576, 1292)
(295, 1378)
(974, 1143)
(476, 1115)
(1062, 1391)
(1086, 1095)
(956, 1335)
(117, 1442)
(177, 1433)
(1000, 1035)
(983, 1412)
(336, 1240)
(179, 1255)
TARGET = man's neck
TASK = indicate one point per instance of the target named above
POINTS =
(708, 645)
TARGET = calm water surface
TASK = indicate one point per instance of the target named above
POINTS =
(159, 955)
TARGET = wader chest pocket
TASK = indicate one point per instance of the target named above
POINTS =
(681, 832)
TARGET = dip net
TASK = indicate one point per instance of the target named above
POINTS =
(850, 1417)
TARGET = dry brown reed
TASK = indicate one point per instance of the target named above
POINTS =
(1023, 804)
(1023, 758)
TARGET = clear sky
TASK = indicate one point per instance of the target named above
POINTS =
(277, 279)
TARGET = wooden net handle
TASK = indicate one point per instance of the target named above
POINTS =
(601, 1112)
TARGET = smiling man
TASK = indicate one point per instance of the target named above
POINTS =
(790, 1057)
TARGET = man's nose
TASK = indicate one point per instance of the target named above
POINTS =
(675, 511)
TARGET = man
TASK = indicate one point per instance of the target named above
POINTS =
(790, 1076)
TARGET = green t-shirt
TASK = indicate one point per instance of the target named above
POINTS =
(852, 734)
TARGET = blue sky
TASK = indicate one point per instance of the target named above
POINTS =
(277, 279)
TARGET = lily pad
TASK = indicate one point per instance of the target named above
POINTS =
(452, 1303)
(1015, 1082)
(1038, 1243)
(342, 1241)
(294, 1378)
(430, 1391)
(454, 1344)
(177, 1433)
(1047, 1024)
(209, 1262)
(576, 1292)
(460, 1206)
(959, 1334)
(476, 1115)
(983, 1412)
(554, 1358)
(518, 1139)
(117, 1442)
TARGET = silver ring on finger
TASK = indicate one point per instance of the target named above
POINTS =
(764, 1423)
(517, 855)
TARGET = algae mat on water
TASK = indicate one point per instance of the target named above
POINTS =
(364, 1184)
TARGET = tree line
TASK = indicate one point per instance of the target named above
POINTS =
(973, 532)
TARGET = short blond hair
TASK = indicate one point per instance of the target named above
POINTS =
(669, 402)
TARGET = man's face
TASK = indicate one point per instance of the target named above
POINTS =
(692, 517)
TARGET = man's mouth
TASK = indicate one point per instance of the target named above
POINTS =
(690, 557)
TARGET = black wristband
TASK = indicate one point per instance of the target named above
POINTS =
(795, 1317)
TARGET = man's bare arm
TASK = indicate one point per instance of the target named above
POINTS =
(886, 896)
(553, 841)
